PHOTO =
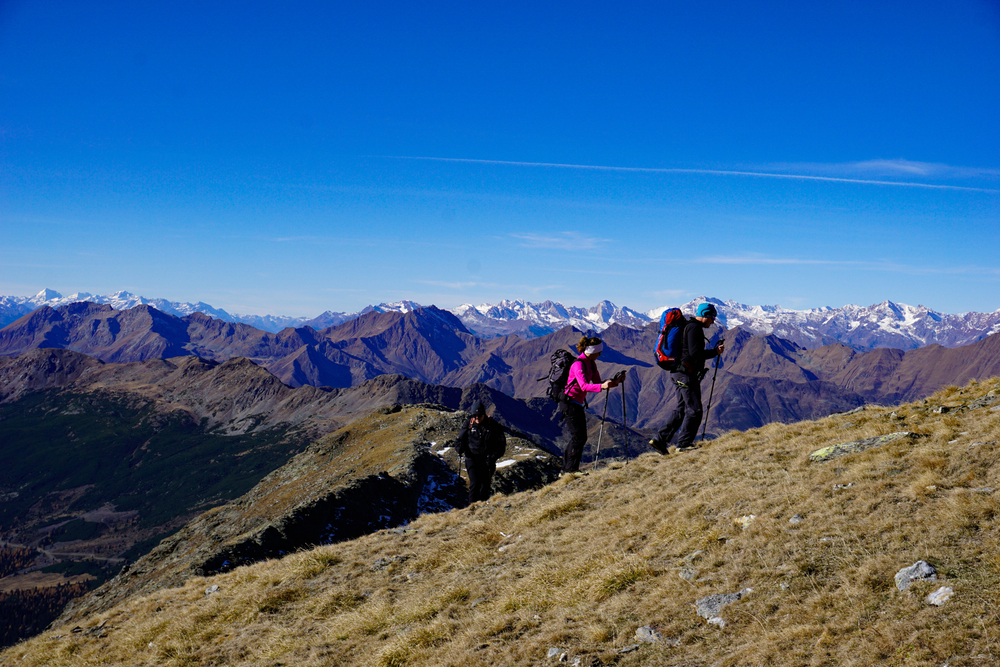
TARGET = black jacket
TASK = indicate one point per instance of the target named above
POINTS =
(693, 352)
(485, 439)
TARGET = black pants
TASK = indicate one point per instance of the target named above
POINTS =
(480, 469)
(686, 417)
(575, 432)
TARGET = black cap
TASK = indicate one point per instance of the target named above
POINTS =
(478, 409)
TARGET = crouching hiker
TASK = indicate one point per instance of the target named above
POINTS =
(481, 441)
(686, 377)
(583, 377)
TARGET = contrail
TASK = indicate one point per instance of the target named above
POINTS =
(713, 172)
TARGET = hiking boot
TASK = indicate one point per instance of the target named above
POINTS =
(689, 448)
(658, 446)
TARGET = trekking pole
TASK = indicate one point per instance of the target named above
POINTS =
(625, 424)
(710, 393)
(601, 435)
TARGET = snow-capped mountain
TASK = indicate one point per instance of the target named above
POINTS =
(14, 307)
(531, 320)
(886, 324)
(882, 325)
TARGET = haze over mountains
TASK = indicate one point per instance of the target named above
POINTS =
(884, 325)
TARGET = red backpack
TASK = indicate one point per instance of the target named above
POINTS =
(668, 344)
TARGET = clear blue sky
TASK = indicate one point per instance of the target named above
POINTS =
(296, 157)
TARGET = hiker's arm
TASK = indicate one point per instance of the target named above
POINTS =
(462, 441)
(576, 373)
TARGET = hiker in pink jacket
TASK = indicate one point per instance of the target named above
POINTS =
(583, 377)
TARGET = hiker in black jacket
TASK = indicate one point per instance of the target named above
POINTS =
(686, 417)
(481, 441)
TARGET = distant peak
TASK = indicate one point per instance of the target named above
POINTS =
(47, 295)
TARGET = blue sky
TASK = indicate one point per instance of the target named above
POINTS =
(291, 158)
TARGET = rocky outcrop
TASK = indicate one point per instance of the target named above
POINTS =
(856, 446)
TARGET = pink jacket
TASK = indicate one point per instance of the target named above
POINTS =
(583, 377)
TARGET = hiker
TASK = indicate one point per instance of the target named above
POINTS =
(583, 377)
(686, 417)
(481, 441)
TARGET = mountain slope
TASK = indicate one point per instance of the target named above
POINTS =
(99, 459)
(381, 471)
(747, 552)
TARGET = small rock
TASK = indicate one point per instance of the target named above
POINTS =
(630, 648)
(648, 635)
(709, 607)
(717, 620)
(688, 573)
(212, 589)
(919, 571)
(745, 520)
(941, 409)
(796, 520)
(554, 652)
(940, 596)
(693, 556)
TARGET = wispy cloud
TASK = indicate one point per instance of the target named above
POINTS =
(890, 267)
(458, 285)
(871, 172)
(496, 287)
(560, 241)
(771, 261)
(871, 169)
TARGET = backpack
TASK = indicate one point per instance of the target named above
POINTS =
(561, 360)
(497, 442)
(670, 340)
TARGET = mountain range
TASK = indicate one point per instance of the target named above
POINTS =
(761, 379)
(883, 325)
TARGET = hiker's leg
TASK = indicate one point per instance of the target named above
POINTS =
(478, 479)
(667, 431)
(692, 414)
(575, 430)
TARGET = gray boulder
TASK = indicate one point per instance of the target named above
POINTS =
(919, 571)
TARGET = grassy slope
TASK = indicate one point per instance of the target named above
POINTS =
(582, 563)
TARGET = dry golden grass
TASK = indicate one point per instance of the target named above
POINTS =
(584, 562)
